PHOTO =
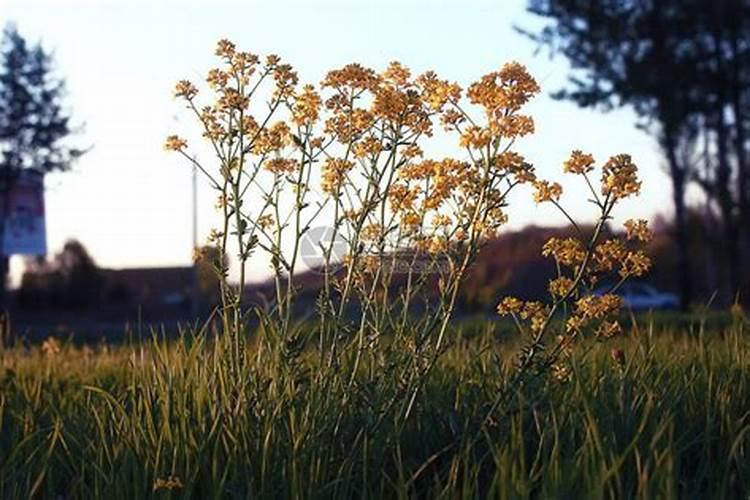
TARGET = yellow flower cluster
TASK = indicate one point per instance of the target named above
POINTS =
(349, 80)
(545, 191)
(637, 229)
(620, 177)
(225, 48)
(568, 251)
(579, 163)
(475, 137)
(597, 306)
(515, 164)
(265, 221)
(635, 264)
(592, 307)
(334, 174)
(561, 287)
(185, 89)
(437, 93)
(217, 79)
(175, 143)
(272, 139)
(281, 166)
(401, 197)
(170, 483)
(508, 89)
(371, 232)
(286, 79)
(608, 255)
(306, 107)
(532, 311)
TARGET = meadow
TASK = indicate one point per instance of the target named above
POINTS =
(379, 390)
(657, 413)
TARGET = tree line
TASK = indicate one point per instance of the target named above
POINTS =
(684, 67)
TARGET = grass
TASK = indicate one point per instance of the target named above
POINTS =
(176, 419)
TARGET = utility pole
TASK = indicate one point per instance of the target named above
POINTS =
(195, 300)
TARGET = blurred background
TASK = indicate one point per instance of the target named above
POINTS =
(99, 223)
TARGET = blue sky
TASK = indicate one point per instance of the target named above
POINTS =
(129, 202)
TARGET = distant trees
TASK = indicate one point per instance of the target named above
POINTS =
(684, 67)
(34, 124)
(71, 280)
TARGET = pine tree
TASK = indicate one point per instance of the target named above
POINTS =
(34, 125)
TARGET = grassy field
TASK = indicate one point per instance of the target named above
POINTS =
(176, 419)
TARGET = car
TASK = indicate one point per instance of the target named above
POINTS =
(642, 296)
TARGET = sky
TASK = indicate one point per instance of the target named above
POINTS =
(129, 202)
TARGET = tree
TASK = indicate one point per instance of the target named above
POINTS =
(34, 125)
(72, 280)
(682, 65)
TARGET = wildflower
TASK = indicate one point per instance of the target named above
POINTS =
(281, 166)
(185, 89)
(225, 48)
(50, 347)
(475, 137)
(306, 107)
(410, 220)
(271, 139)
(369, 146)
(546, 191)
(221, 202)
(598, 307)
(441, 220)
(401, 197)
(215, 235)
(371, 232)
(411, 151)
(579, 163)
(569, 252)
(565, 344)
(286, 79)
(637, 229)
(608, 254)
(217, 78)
(635, 264)
(353, 76)
(574, 323)
(438, 244)
(620, 177)
(397, 73)
(437, 93)
(608, 329)
(509, 305)
(531, 308)
(175, 143)
(265, 221)
(561, 286)
(334, 173)
(170, 483)
(507, 89)
(513, 126)
(231, 99)
(451, 119)
(243, 63)
(561, 372)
